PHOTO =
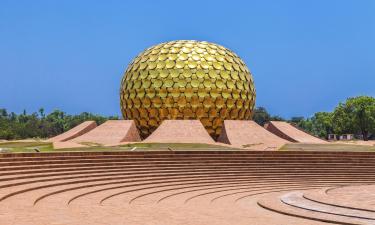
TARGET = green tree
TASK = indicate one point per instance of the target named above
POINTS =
(322, 124)
(356, 115)
(261, 116)
(13, 126)
(304, 124)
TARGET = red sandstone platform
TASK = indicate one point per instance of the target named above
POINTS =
(74, 132)
(248, 134)
(187, 187)
(111, 132)
(180, 131)
(292, 133)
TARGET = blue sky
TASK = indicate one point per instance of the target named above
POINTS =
(305, 56)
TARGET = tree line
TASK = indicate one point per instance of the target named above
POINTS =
(354, 116)
(40, 125)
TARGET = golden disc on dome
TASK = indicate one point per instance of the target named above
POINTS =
(160, 65)
(140, 93)
(172, 57)
(137, 84)
(226, 93)
(162, 57)
(153, 123)
(220, 84)
(143, 65)
(153, 74)
(163, 73)
(146, 84)
(186, 73)
(200, 73)
(180, 64)
(162, 93)
(157, 83)
(168, 83)
(163, 113)
(181, 102)
(207, 103)
(220, 58)
(239, 103)
(188, 113)
(230, 84)
(150, 93)
(214, 93)
(183, 57)
(152, 57)
(207, 83)
(174, 73)
(212, 113)
(151, 65)
(200, 112)
(175, 93)
(168, 102)
(224, 74)
(235, 94)
(186, 50)
(137, 103)
(174, 50)
(156, 101)
(194, 83)
(146, 102)
(230, 103)
(192, 64)
(219, 103)
(181, 83)
(188, 92)
(228, 66)
(194, 101)
(153, 113)
(217, 65)
(143, 74)
(173, 112)
(205, 65)
(195, 57)
(199, 50)
(202, 93)
(212, 74)
(164, 50)
(209, 57)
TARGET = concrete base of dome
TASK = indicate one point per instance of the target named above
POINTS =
(248, 134)
(180, 131)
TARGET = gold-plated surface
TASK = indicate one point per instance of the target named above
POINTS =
(187, 80)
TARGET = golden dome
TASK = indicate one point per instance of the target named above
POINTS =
(187, 80)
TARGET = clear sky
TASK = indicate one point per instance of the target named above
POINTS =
(305, 56)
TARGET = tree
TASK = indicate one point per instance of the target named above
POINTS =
(322, 124)
(356, 115)
(297, 119)
(13, 126)
(261, 116)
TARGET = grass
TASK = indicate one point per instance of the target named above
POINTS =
(327, 147)
(15, 146)
(30, 146)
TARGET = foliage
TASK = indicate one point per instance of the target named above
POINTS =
(13, 126)
(321, 124)
(356, 115)
(261, 116)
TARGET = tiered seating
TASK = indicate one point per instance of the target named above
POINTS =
(187, 187)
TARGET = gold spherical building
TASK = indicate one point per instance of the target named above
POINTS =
(187, 80)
